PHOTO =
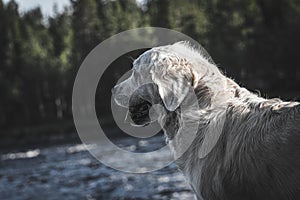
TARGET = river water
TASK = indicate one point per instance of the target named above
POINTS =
(68, 171)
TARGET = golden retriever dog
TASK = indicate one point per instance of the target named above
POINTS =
(245, 147)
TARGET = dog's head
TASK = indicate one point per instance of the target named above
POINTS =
(163, 75)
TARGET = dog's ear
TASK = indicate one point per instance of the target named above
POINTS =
(173, 78)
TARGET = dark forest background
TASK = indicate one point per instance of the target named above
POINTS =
(255, 41)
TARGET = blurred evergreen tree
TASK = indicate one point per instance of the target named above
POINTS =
(86, 28)
(119, 15)
(159, 12)
(60, 30)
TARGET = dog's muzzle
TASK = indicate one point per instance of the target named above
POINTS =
(139, 102)
(139, 111)
(121, 98)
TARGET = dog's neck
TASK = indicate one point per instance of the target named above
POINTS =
(209, 117)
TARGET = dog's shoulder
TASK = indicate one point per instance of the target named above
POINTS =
(284, 133)
(263, 122)
(260, 146)
(283, 122)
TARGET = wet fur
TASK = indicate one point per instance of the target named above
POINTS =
(255, 158)
(246, 147)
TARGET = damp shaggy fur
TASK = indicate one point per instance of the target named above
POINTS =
(245, 147)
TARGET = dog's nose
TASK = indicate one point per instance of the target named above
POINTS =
(113, 90)
(120, 98)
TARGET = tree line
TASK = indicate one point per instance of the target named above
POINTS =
(255, 41)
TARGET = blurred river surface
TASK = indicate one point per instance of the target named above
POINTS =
(68, 171)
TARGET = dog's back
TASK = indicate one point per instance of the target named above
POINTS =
(256, 157)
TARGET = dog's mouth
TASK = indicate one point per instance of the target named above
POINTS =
(140, 104)
(139, 112)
